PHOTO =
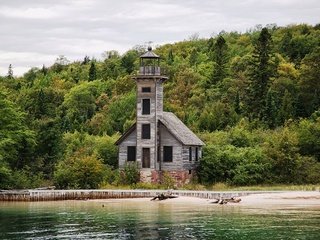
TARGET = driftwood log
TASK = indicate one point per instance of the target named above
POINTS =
(227, 200)
(163, 196)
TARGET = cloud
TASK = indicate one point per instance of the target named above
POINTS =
(35, 32)
(31, 13)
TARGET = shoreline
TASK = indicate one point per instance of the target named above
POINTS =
(263, 197)
(260, 200)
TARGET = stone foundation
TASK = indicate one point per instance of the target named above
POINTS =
(180, 177)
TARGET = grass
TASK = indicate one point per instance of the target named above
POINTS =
(277, 188)
(219, 187)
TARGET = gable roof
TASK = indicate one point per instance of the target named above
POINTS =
(126, 134)
(180, 130)
(175, 126)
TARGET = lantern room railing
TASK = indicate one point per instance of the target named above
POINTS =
(149, 70)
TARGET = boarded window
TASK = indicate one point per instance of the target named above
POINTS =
(131, 153)
(145, 106)
(167, 153)
(146, 131)
(146, 89)
(197, 154)
(190, 154)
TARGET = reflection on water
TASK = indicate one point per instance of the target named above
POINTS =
(154, 220)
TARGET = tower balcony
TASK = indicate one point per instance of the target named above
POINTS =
(150, 70)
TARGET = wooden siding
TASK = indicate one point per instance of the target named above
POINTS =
(131, 140)
(156, 108)
(167, 139)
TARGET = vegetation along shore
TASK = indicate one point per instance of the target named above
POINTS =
(253, 98)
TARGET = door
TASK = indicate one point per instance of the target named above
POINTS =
(145, 157)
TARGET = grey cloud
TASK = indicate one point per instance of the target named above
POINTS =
(37, 31)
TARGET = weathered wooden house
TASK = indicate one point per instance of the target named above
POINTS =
(158, 142)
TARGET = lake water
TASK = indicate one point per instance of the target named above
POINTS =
(120, 219)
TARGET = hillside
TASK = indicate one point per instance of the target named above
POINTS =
(253, 97)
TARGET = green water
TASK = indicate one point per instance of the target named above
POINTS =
(155, 220)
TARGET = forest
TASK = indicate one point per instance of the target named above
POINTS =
(253, 98)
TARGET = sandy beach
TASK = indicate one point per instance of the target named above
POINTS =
(293, 198)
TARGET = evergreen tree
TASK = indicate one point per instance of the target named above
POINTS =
(44, 70)
(41, 104)
(170, 57)
(86, 60)
(10, 72)
(193, 57)
(92, 72)
(287, 107)
(260, 73)
(237, 107)
(211, 49)
(270, 113)
(220, 58)
(286, 45)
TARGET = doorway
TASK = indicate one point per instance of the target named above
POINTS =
(145, 157)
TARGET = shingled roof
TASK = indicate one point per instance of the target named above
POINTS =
(180, 130)
(149, 54)
(175, 126)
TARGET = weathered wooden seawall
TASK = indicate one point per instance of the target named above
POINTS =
(54, 195)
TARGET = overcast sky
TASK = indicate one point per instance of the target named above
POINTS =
(36, 32)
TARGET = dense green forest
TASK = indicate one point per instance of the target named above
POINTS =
(253, 98)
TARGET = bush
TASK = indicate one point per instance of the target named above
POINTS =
(167, 181)
(79, 171)
(5, 177)
(309, 137)
(130, 174)
(229, 164)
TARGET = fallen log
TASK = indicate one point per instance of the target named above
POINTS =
(163, 196)
(226, 200)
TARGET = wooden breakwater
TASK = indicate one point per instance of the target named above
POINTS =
(55, 195)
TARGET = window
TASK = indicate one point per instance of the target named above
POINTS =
(146, 131)
(131, 153)
(145, 106)
(197, 156)
(146, 89)
(167, 153)
(190, 154)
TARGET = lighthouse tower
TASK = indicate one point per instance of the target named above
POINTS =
(149, 110)
(159, 141)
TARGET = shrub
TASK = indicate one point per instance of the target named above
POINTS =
(229, 164)
(79, 171)
(167, 181)
(130, 174)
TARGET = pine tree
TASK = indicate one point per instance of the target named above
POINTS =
(92, 72)
(287, 107)
(270, 110)
(220, 58)
(41, 108)
(260, 73)
(44, 70)
(10, 72)
(86, 60)
(286, 45)
(170, 57)
(237, 107)
(193, 57)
